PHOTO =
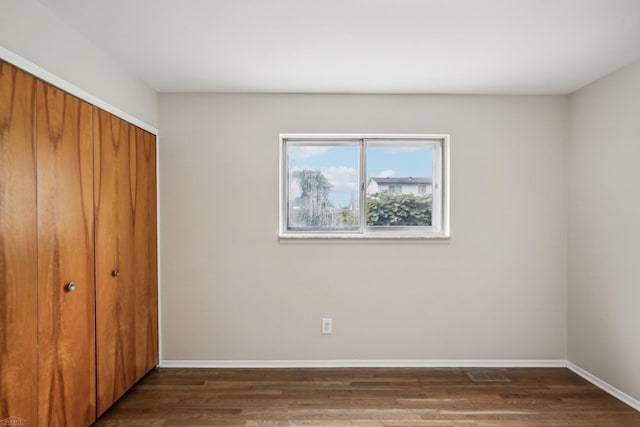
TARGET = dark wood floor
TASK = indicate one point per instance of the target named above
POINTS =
(366, 397)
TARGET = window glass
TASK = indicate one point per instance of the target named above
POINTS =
(323, 187)
(399, 183)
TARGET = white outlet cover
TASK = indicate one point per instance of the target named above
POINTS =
(327, 325)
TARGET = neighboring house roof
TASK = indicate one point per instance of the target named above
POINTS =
(402, 180)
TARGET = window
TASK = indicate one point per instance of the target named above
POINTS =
(364, 186)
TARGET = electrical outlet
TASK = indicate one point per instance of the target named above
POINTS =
(327, 325)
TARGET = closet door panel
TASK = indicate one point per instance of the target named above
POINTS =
(145, 252)
(66, 292)
(114, 163)
(18, 248)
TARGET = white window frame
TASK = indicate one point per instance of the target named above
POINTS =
(440, 228)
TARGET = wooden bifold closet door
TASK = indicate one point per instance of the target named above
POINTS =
(18, 248)
(126, 266)
(66, 291)
(78, 256)
(47, 339)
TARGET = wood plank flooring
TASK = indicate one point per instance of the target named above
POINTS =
(550, 397)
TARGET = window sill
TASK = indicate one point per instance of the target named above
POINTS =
(415, 238)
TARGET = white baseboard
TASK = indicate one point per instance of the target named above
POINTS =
(615, 392)
(375, 363)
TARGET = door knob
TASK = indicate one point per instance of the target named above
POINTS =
(71, 286)
(115, 273)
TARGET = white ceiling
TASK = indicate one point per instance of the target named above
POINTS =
(362, 46)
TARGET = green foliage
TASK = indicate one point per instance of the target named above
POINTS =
(399, 209)
(348, 217)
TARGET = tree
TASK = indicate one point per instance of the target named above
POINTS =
(398, 209)
(313, 206)
(314, 185)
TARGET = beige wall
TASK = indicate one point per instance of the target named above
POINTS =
(604, 255)
(232, 291)
(30, 30)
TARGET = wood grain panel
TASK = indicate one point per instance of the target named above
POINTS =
(65, 254)
(366, 397)
(18, 247)
(115, 296)
(145, 252)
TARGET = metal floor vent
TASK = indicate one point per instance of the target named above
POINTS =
(487, 376)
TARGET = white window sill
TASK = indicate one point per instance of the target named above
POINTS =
(361, 238)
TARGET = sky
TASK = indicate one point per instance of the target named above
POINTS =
(340, 165)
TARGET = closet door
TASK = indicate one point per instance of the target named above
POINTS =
(18, 248)
(145, 255)
(66, 291)
(126, 283)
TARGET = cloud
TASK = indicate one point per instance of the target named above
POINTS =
(387, 173)
(405, 149)
(341, 177)
(304, 152)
